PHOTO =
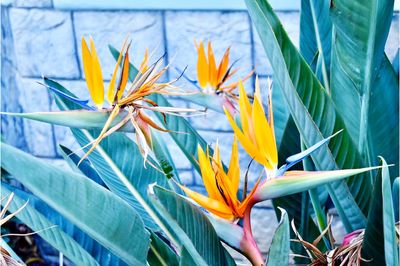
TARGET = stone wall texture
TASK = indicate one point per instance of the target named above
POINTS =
(40, 40)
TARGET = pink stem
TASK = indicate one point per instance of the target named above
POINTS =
(248, 244)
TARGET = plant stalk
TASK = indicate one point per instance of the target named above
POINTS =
(248, 244)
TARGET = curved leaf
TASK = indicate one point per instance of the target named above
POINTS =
(316, 37)
(92, 208)
(84, 167)
(314, 114)
(380, 241)
(101, 254)
(160, 254)
(279, 250)
(363, 82)
(53, 235)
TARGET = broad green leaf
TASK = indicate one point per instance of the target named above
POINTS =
(396, 194)
(313, 113)
(82, 119)
(316, 37)
(53, 235)
(383, 123)
(163, 156)
(279, 250)
(101, 254)
(212, 102)
(91, 207)
(187, 259)
(380, 241)
(84, 167)
(361, 76)
(395, 63)
(160, 254)
(191, 226)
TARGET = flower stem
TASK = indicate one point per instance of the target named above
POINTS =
(248, 244)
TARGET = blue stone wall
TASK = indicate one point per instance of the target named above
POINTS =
(40, 40)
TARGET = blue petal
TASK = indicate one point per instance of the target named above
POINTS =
(292, 160)
(82, 103)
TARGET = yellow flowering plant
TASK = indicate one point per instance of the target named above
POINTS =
(144, 216)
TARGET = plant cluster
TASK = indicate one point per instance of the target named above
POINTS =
(122, 201)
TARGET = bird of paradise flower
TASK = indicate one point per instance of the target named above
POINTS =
(256, 134)
(131, 101)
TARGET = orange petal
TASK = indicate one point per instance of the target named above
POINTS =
(145, 61)
(234, 168)
(202, 66)
(124, 76)
(208, 175)
(111, 85)
(214, 206)
(212, 68)
(223, 66)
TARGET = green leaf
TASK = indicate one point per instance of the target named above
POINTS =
(53, 235)
(279, 250)
(212, 102)
(82, 119)
(316, 37)
(380, 241)
(187, 259)
(383, 123)
(313, 113)
(191, 226)
(91, 207)
(163, 156)
(361, 75)
(160, 254)
(395, 63)
(84, 167)
(101, 254)
(396, 193)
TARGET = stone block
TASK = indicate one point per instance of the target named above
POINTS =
(264, 224)
(44, 43)
(224, 29)
(32, 3)
(143, 28)
(38, 135)
(392, 43)
(210, 120)
(291, 23)
(186, 177)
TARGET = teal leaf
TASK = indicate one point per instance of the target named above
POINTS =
(95, 210)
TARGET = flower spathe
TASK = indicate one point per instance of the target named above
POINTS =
(256, 133)
(221, 186)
